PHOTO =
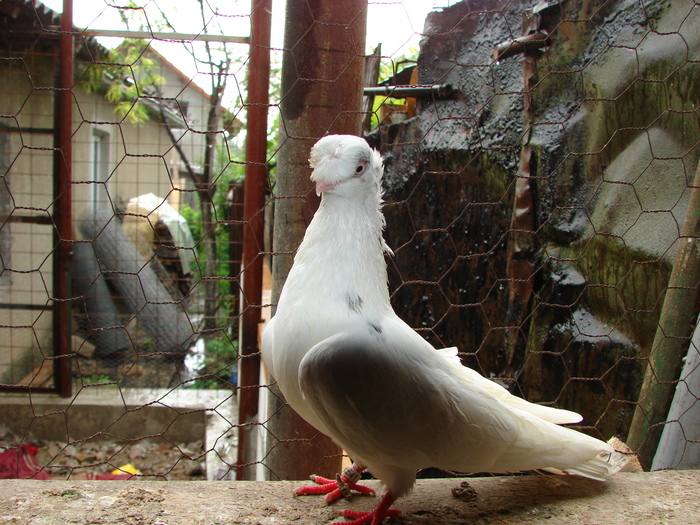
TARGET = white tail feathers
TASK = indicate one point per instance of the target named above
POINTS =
(596, 468)
(543, 421)
(553, 415)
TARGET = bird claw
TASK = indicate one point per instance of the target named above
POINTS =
(341, 487)
(364, 518)
(374, 517)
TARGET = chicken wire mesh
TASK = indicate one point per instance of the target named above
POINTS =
(540, 188)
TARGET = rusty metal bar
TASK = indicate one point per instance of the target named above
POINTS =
(523, 242)
(524, 44)
(23, 389)
(253, 233)
(29, 129)
(27, 219)
(372, 64)
(322, 81)
(437, 91)
(62, 211)
(172, 37)
(234, 214)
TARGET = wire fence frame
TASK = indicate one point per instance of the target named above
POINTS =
(535, 273)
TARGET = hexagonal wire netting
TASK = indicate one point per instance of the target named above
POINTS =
(541, 194)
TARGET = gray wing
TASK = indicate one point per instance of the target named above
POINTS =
(386, 400)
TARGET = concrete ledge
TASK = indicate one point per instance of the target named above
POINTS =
(639, 498)
(54, 422)
(106, 412)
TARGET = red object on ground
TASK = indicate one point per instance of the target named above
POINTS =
(21, 463)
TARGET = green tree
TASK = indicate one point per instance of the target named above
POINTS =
(127, 79)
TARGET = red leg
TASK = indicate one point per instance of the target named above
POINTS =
(373, 517)
(335, 489)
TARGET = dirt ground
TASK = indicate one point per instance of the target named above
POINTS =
(668, 497)
(154, 459)
(158, 460)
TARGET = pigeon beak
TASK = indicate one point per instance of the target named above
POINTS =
(322, 187)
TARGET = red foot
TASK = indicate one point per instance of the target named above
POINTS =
(335, 489)
(374, 517)
(363, 518)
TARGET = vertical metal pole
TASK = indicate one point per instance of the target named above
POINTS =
(62, 210)
(322, 83)
(253, 233)
(235, 239)
(523, 241)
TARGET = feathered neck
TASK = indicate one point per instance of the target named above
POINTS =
(354, 222)
(343, 248)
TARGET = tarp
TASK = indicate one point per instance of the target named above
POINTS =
(143, 212)
(21, 463)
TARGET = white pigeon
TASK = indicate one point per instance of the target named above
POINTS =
(350, 367)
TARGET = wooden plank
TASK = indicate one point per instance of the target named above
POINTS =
(40, 375)
(266, 311)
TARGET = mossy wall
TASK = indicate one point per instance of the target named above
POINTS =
(615, 140)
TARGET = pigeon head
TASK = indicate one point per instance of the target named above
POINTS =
(345, 165)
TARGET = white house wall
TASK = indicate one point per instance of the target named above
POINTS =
(27, 270)
(140, 159)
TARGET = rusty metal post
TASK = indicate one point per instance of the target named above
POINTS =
(254, 202)
(523, 241)
(234, 215)
(322, 82)
(62, 210)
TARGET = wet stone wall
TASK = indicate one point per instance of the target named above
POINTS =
(613, 132)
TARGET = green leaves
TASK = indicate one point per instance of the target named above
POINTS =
(128, 78)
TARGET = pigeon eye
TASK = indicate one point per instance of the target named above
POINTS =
(360, 169)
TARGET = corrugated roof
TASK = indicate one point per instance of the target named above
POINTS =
(31, 20)
(26, 14)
